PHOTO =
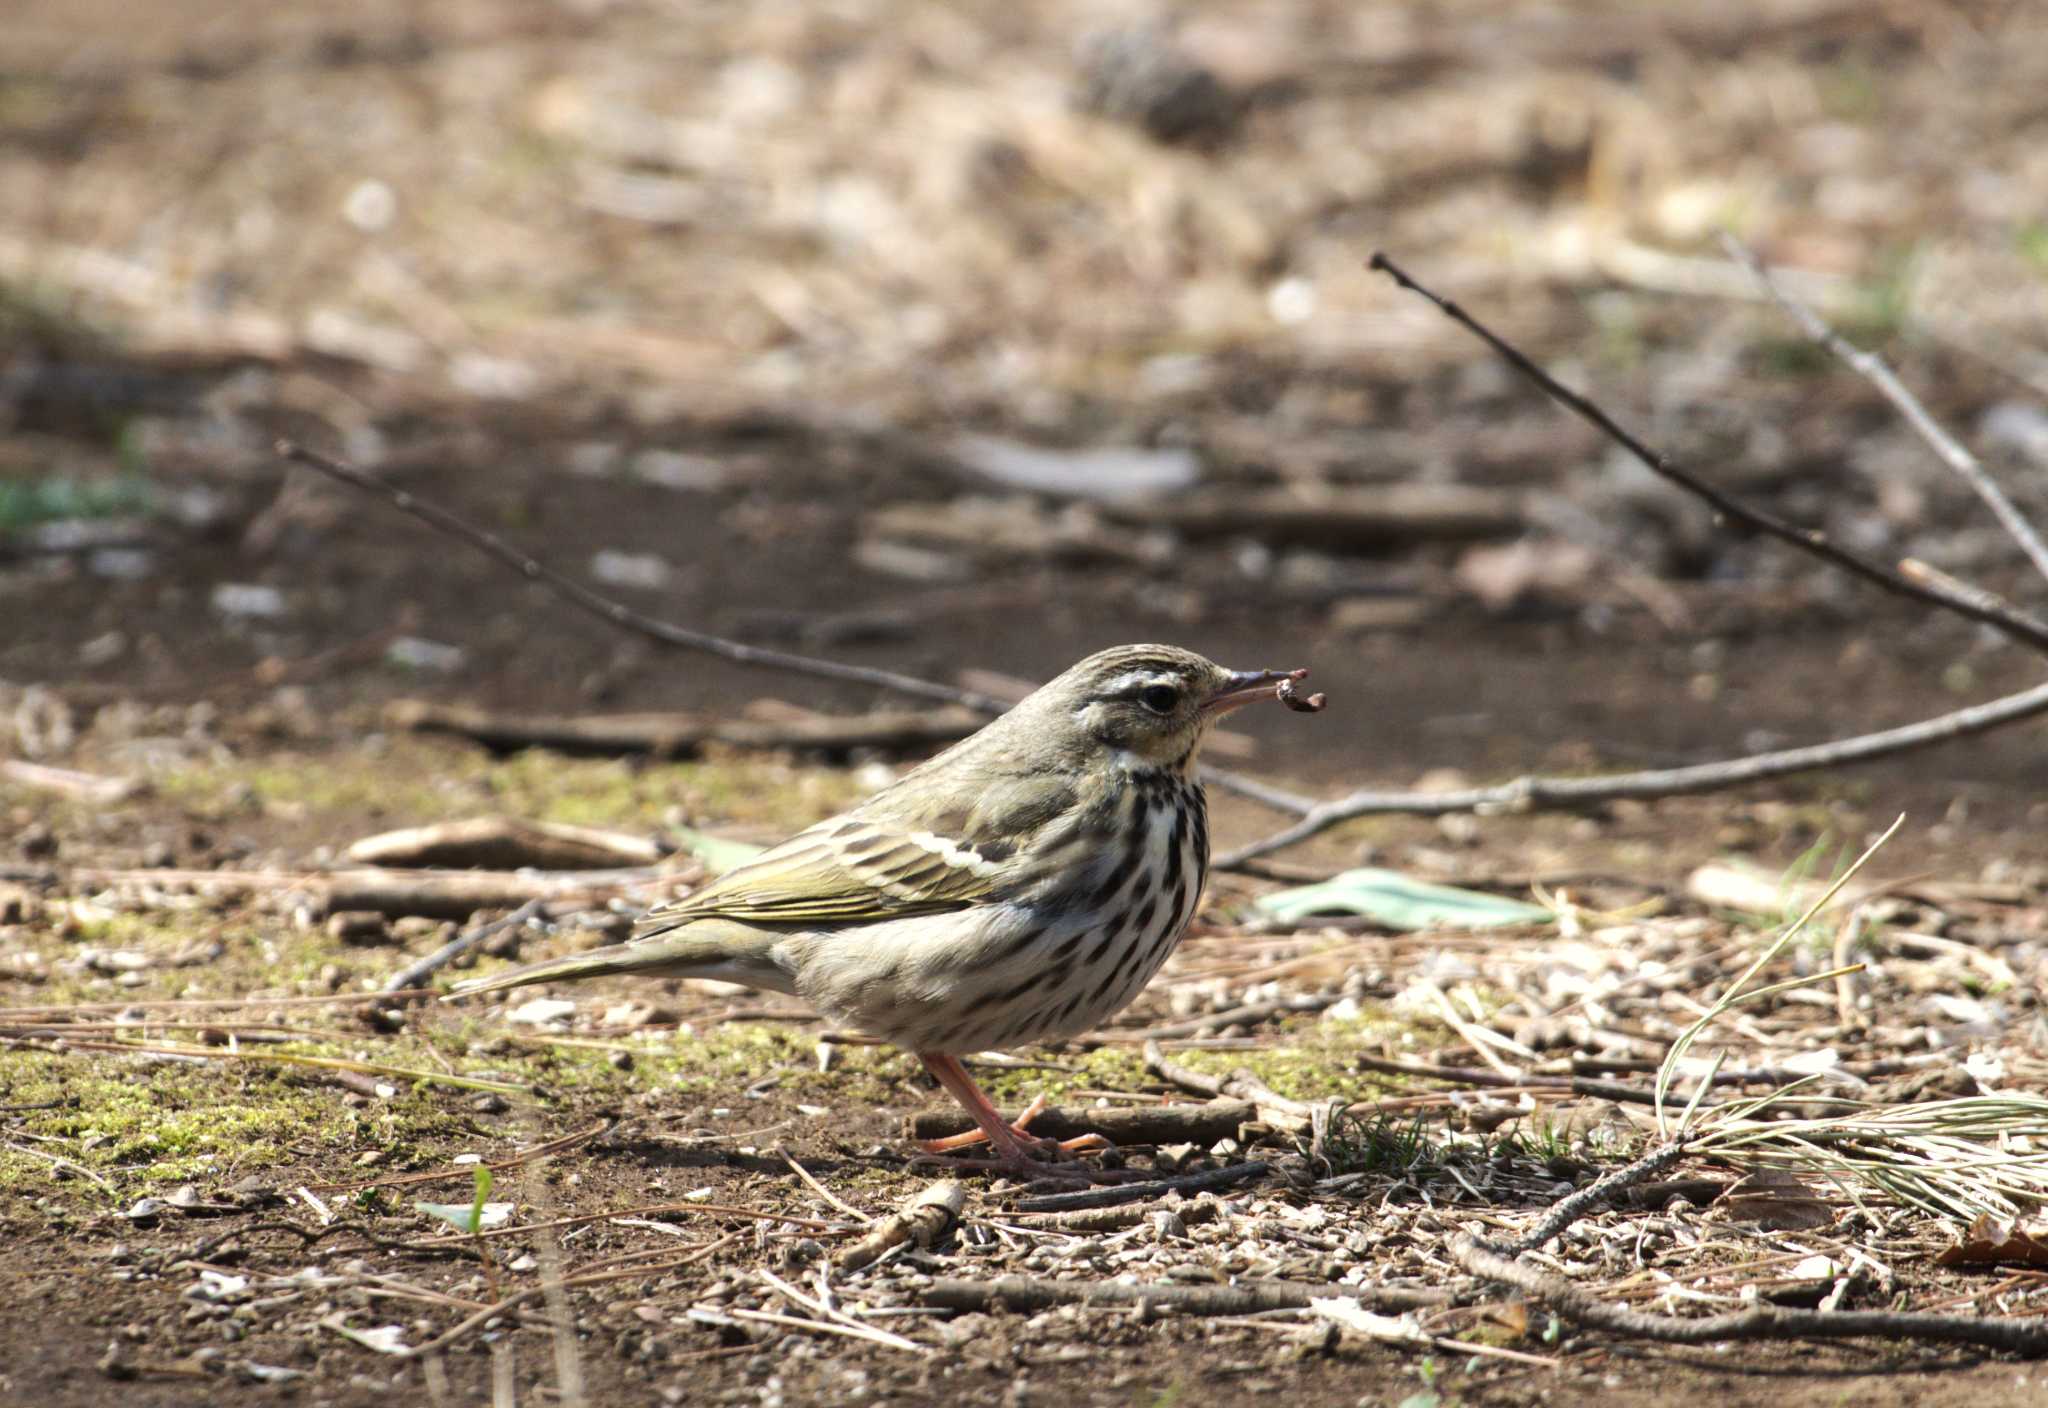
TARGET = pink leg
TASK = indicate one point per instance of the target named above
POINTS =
(1016, 1151)
(1008, 1140)
(1021, 1124)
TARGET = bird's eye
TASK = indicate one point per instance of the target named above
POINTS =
(1159, 698)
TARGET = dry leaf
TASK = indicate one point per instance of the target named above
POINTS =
(1997, 1241)
(1775, 1200)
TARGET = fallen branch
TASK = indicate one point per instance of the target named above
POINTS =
(1252, 1014)
(459, 894)
(1091, 1222)
(505, 843)
(1026, 1295)
(66, 782)
(925, 1218)
(417, 972)
(1872, 368)
(1343, 519)
(2027, 1337)
(437, 894)
(679, 735)
(1144, 1124)
(1273, 1107)
(1139, 1192)
(1532, 794)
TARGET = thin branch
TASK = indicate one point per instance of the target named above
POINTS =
(1872, 368)
(667, 633)
(1602, 1190)
(618, 613)
(2029, 1337)
(1528, 794)
(1186, 1185)
(417, 972)
(1026, 1295)
(2015, 624)
(926, 1217)
(1913, 581)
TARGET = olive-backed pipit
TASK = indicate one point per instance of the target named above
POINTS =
(1022, 885)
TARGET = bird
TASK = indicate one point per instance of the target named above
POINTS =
(1021, 886)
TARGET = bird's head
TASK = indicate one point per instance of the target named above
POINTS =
(1152, 702)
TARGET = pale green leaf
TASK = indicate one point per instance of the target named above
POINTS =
(1399, 902)
(469, 1217)
(718, 854)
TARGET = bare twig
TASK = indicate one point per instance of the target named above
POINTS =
(1250, 1015)
(1600, 1190)
(1872, 368)
(468, 1171)
(670, 735)
(59, 1161)
(641, 1214)
(1091, 1221)
(68, 782)
(618, 613)
(1202, 1124)
(1272, 1107)
(1492, 1080)
(830, 1197)
(437, 893)
(676, 637)
(49, 1011)
(275, 1058)
(925, 1218)
(2029, 1337)
(852, 1330)
(547, 1250)
(1138, 1192)
(1913, 569)
(2015, 624)
(417, 972)
(1027, 1295)
(1529, 794)
(518, 1298)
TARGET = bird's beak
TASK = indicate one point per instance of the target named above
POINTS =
(1243, 687)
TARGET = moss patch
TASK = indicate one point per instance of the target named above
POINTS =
(141, 1121)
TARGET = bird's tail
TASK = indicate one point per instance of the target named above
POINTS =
(739, 958)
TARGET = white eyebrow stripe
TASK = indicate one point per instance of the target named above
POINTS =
(954, 854)
(1131, 679)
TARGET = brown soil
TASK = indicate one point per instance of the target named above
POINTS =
(262, 733)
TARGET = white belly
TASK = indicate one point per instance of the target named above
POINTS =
(1004, 975)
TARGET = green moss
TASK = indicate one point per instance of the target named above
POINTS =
(140, 1122)
(340, 784)
(2031, 240)
(413, 782)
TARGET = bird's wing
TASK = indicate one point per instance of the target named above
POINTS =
(848, 870)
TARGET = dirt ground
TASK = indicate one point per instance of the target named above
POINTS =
(702, 303)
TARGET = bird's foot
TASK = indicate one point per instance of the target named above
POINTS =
(1020, 1152)
(1020, 1138)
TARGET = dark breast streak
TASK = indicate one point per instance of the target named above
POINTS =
(1116, 968)
(1130, 909)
